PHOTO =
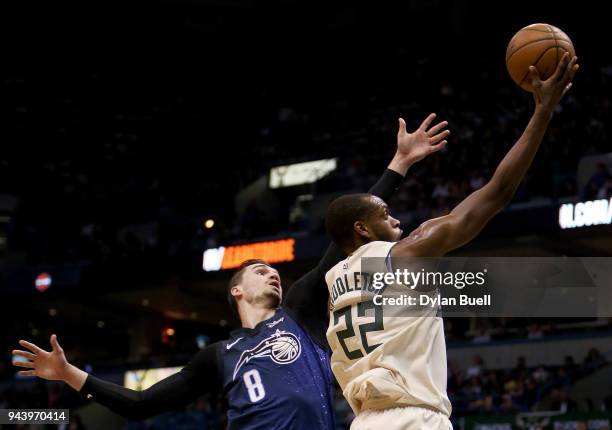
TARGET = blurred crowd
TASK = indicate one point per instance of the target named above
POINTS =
(481, 390)
(472, 390)
(79, 210)
(485, 330)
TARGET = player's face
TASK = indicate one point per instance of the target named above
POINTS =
(262, 284)
(381, 224)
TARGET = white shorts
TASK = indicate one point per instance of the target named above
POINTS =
(402, 418)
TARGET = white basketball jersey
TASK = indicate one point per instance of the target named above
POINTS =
(382, 361)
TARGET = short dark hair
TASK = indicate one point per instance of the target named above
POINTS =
(342, 213)
(237, 278)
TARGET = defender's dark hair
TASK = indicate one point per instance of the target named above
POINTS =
(342, 214)
(237, 278)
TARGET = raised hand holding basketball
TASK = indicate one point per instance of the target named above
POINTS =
(547, 93)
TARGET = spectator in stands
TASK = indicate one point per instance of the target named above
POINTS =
(534, 331)
(483, 331)
(596, 181)
(606, 190)
(483, 336)
(540, 375)
(562, 379)
(491, 382)
(531, 392)
(562, 402)
(570, 367)
(593, 361)
(474, 387)
(476, 368)
(520, 371)
(507, 406)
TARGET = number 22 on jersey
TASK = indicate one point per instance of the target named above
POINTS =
(363, 328)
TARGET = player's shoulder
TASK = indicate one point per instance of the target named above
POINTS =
(377, 248)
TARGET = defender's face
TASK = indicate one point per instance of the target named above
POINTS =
(261, 283)
(381, 224)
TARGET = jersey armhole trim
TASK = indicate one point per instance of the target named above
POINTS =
(388, 263)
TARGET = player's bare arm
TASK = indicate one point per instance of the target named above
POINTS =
(438, 236)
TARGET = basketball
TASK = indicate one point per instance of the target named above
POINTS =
(539, 45)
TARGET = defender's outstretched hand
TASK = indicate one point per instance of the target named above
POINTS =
(44, 364)
(548, 93)
(423, 141)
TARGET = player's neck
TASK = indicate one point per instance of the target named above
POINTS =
(250, 315)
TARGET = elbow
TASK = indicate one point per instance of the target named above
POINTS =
(504, 198)
(504, 193)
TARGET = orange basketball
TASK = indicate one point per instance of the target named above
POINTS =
(539, 45)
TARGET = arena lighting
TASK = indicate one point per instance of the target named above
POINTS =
(43, 282)
(594, 212)
(230, 257)
(142, 379)
(301, 173)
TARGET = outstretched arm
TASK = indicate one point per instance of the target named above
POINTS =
(440, 235)
(411, 148)
(307, 297)
(198, 377)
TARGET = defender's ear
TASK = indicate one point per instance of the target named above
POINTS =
(236, 291)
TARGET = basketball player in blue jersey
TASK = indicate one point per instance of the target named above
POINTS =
(275, 369)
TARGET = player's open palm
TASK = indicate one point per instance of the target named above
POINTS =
(549, 92)
(44, 364)
(423, 141)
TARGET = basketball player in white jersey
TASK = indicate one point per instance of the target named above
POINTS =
(393, 370)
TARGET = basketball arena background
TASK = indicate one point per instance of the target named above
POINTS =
(148, 145)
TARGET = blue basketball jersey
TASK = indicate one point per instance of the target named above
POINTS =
(276, 377)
